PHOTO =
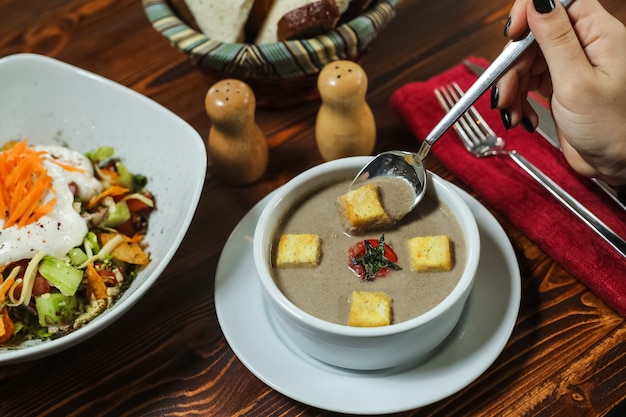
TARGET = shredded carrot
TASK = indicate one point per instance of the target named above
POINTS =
(113, 191)
(3, 204)
(137, 238)
(4, 287)
(6, 326)
(24, 184)
(24, 207)
(111, 173)
(67, 167)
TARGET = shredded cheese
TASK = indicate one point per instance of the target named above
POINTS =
(138, 196)
(104, 251)
(7, 284)
(27, 282)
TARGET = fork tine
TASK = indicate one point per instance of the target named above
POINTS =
(463, 126)
(471, 121)
(467, 127)
(446, 101)
(474, 113)
(467, 121)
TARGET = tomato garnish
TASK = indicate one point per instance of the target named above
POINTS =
(368, 262)
(40, 286)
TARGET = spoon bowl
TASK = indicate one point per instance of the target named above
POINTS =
(406, 166)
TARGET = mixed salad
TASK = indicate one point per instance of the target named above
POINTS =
(71, 237)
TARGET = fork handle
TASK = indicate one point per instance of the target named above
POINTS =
(503, 62)
(570, 202)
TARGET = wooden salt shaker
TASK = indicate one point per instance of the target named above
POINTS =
(345, 124)
(236, 144)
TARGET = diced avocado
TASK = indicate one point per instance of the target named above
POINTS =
(55, 308)
(125, 176)
(93, 241)
(101, 154)
(61, 274)
(77, 256)
(118, 214)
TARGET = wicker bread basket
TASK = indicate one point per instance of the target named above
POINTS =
(280, 73)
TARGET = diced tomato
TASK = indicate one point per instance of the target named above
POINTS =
(17, 292)
(136, 205)
(108, 277)
(73, 188)
(128, 227)
(22, 264)
(40, 286)
(359, 250)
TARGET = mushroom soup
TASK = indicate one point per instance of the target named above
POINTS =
(324, 291)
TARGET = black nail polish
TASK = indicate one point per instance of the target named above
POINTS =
(528, 125)
(544, 6)
(495, 96)
(506, 118)
(507, 25)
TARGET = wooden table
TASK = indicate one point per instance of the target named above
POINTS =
(168, 356)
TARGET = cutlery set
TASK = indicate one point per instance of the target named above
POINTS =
(547, 130)
(479, 139)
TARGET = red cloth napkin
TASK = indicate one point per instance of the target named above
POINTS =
(511, 192)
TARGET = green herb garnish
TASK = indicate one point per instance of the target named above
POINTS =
(374, 260)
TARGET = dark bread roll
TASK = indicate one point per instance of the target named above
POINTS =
(309, 20)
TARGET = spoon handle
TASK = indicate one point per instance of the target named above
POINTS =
(498, 67)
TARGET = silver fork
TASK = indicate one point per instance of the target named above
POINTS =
(481, 141)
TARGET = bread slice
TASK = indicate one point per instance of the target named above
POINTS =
(361, 209)
(430, 253)
(298, 250)
(369, 309)
(269, 29)
(221, 20)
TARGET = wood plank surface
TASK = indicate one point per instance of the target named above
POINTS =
(168, 355)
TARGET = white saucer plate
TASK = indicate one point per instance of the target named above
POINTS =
(473, 346)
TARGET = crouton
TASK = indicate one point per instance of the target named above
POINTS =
(369, 309)
(430, 253)
(361, 209)
(127, 250)
(298, 250)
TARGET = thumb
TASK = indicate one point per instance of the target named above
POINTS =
(556, 37)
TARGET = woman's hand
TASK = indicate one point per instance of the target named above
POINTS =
(579, 63)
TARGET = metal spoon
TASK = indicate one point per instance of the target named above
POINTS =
(408, 166)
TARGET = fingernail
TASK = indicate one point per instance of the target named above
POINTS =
(495, 96)
(544, 6)
(507, 25)
(506, 118)
(528, 125)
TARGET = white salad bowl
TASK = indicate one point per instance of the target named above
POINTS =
(397, 345)
(51, 102)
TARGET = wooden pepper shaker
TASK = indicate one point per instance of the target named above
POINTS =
(345, 124)
(236, 144)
